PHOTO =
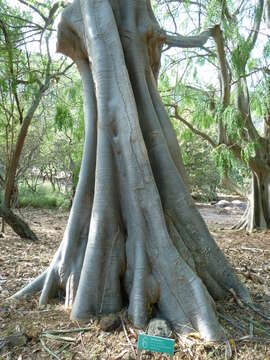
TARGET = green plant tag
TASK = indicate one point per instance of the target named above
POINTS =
(156, 344)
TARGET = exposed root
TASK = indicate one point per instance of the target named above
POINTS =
(243, 223)
(257, 214)
(50, 287)
(32, 288)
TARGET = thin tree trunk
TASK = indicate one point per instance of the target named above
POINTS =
(15, 158)
(14, 162)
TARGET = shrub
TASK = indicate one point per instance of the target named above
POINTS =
(43, 198)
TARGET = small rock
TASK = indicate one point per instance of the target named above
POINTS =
(2, 235)
(159, 327)
(110, 322)
(128, 356)
(223, 203)
(5, 293)
(239, 204)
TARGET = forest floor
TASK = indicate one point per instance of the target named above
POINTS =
(26, 329)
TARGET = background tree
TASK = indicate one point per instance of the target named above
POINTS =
(230, 101)
(133, 230)
(55, 163)
(26, 77)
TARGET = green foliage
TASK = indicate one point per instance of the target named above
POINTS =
(69, 120)
(200, 166)
(266, 50)
(77, 167)
(23, 74)
(249, 151)
(199, 97)
(252, 64)
(223, 158)
(260, 99)
(43, 198)
(214, 11)
(233, 121)
(63, 119)
(201, 115)
(240, 56)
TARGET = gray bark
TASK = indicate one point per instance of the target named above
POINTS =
(257, 214)
(267, 13)
(133, 228)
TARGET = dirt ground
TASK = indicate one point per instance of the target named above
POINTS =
(27, 330)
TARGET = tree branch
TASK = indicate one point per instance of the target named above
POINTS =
(243, 104)
(24, 20)
(226, 11)
(188, 41)
(237, 11)
(198, 132)
(266, 13)
(34, 8)
(61, 73)
(252, 38)
(224, 71)
(225, 79)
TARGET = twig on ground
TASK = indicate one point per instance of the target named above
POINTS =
(50, 352)
(259, 327)
(253, 339)
(66, 331)
(82, 342)
(233, 322)
(239, 302)
(256, 310)
(62, 348)
(254, 277)
(58, 338)
(254, 249)
(81, 338)
(126, 334)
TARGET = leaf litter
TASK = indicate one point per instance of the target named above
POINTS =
(28, 331)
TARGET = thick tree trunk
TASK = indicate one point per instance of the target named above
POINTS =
(133, 229)
(17, 224)
(257, 215)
